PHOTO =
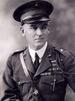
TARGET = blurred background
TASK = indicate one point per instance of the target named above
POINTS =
(62, 28)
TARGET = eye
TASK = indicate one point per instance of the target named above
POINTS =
(41, 25)
(44, 26)
(34, 26)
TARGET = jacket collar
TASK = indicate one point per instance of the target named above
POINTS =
(44, 65)
(40, 52)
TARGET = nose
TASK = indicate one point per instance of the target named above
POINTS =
(38, 31)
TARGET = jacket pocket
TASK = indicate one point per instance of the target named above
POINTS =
(24, 86)
(47, 82)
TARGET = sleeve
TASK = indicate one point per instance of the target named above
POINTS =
(70, 70)
(10, 90)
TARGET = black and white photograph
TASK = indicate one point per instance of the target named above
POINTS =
(37, 50)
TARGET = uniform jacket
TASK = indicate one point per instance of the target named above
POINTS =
(56, 70)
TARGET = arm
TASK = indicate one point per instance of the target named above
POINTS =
(10, 90)
(70, 70)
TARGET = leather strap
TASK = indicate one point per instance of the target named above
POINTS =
(24, 67)
(27, 73)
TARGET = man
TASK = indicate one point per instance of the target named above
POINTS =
(40, 72)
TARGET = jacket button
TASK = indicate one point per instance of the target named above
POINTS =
(19, 82)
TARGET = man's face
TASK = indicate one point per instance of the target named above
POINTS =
(36, 34)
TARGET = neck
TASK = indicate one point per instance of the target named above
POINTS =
(37, 48)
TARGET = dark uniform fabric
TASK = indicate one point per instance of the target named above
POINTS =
(56, 70)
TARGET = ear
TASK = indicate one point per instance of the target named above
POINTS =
(48, 31)
(22, 30)
(48, 27)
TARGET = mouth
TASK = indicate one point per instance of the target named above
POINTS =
(39, 39)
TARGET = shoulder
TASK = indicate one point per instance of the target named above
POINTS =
(60, 51)
(63, 51)
(66, 56)
(15, 55)
(18, 51)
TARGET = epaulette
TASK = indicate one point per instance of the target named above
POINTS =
(63, 51)
(18, 51)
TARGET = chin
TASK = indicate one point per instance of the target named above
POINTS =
(39, 46)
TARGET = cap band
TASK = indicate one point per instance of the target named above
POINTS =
(32, 13)
(34, 19)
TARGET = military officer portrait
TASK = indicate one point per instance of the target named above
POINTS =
(40, 71)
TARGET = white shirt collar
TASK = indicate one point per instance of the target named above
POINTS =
(40, 52)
